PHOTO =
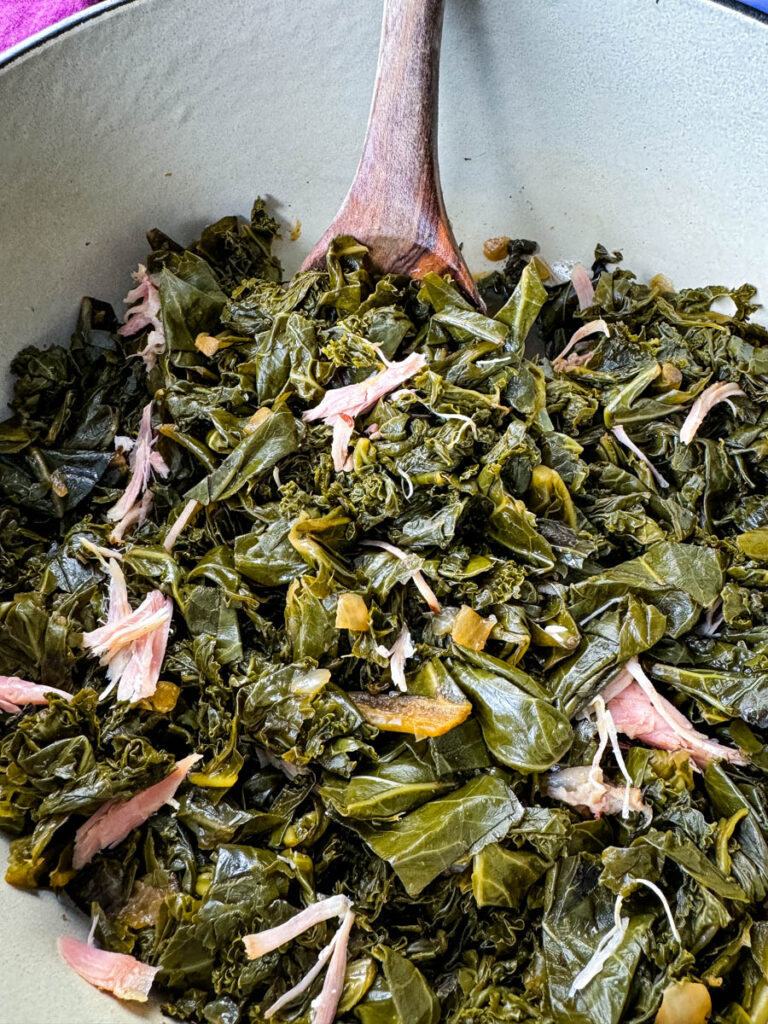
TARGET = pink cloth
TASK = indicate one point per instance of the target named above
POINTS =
(22, 18)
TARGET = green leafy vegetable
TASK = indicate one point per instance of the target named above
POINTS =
(544, 487)
(446, 830)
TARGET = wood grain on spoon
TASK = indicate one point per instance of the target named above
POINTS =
(395, 205)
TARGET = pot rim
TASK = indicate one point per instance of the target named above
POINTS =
(14, 53)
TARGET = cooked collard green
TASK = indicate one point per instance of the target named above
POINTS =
(465, 616)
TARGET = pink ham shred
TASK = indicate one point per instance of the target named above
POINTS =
(358, 398)
(146, 313)
(623, 437)
(184, 516)
(302, 985)
(340, 406)
(709, 398)
(399, 653)
(582, 285)
(99, 549)
(418, 577)
(131, 643)
(585, 331)
(260, 943)
(325, 1006)
(141, 674)
(116, 819)
(122, 975)
(142, 462)
(16, 692)
(641, 713)
(135, 515)
(343, 426)
(119, 608)
(106, 641)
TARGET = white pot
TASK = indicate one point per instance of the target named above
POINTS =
(637, 123)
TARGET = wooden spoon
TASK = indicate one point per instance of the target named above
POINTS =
(395, 204)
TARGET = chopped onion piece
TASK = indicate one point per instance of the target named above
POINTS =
(398, 654)
(472, 630)
(609, 943)
(459, 416)
(685, 1002)
(496, 248)
(667, 909)
(407, 484)
(712, 621)
(352, 613)
(613, 735)
(257, 419)
(207, 344)
(310, 683)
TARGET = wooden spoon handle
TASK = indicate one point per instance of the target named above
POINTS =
(395, 204)
(401, 139)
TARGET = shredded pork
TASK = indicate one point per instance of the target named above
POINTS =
(623, 437)
(145, 313)
(582, 285)
(142, 461)
(325, 1006)
(131, 643)
(418, 577)
(560, 362)
(180, 525)
(116, 819)
(640, 712)
(15, 693)
(122, 975)
(135, 516)
(585, 787)
(706, 401)
(260, 943)
(340, 406)
(343, 428)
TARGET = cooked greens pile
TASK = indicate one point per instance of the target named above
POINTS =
(418, 636)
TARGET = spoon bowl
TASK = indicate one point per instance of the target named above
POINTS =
(395, 204)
